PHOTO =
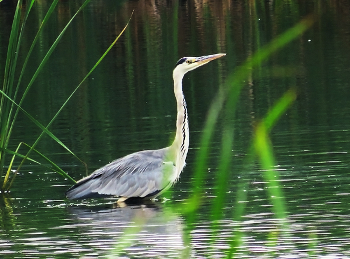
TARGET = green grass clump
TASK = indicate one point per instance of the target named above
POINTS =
(11, 102)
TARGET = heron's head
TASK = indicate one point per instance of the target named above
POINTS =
(189, 63)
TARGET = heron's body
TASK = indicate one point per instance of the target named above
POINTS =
(146, 174)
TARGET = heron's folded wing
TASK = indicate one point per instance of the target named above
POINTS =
(137, 175)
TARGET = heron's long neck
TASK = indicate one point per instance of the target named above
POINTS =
(181, 142)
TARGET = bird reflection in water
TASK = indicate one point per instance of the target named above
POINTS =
(158, 232)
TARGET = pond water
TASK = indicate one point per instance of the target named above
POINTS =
(127, 105)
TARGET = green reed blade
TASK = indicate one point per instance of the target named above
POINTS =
(43, 23)
(10, 152)
(5, 185)
(12, 56)
(232, 89)
(223, 173)
(279, 108)
(236, 239)
(9, 75)
(263, 148)
(264, 151)
(42, 127)
(49, 52)
(53, 167)
(8, 66)
(40, 67)
(45, 129)
(12, 46)
(222, 182)
(16, 44)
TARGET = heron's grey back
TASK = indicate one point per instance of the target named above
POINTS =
(140, 174)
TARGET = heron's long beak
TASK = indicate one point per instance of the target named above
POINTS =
(205, 59)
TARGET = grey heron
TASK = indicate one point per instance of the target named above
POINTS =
(146, 174)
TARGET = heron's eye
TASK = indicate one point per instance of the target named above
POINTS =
(189, 61)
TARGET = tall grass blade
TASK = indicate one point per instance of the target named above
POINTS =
(10, 59)
(231, 90)
(46, 18)
(53, 167)
(223, 174)
(14, 46)
(6, 186)
(263, 148)
(264, 151)
(7, 176)
(50, 51)
(8, 92)
(40, 67)
(11, 90)
(42, 127)
(236, 240)
(222, 182)
(9, 75)
(279, 108)
(45, 129)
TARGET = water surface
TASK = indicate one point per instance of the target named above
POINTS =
(127, 105)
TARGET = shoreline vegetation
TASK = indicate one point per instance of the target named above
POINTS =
(12, 85)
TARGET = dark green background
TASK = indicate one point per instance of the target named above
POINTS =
(127, 105)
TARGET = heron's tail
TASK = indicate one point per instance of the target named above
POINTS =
(84, 189)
